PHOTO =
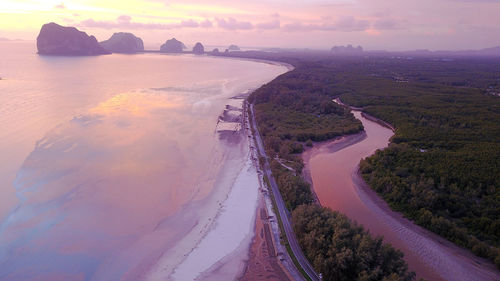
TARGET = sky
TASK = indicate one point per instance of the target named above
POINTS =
(316, 24)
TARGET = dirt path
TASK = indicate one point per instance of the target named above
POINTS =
(263, 263)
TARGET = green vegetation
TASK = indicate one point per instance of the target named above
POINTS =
(291, 112)
(443, 168)
(341, 250)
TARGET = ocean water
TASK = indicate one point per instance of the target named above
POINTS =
(109, 163)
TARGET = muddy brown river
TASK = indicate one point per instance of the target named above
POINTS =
(333, 168)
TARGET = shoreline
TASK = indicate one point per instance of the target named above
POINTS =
(207, 54)
(228, 251)
(233, 262)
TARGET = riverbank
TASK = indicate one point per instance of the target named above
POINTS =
(336, 180)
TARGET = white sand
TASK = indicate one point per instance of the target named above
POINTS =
(208, 210)
(233, 226)
(228, 126)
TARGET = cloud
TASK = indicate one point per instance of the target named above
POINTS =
(60, 6)
(232, 24)
(275, 24)
(206, 23)
(388, 24)
(478, 1)
(346, 24)
(98, 24)
(382, 13)
(125, 22)
(189, 23)
(124, 18)
(349, 23)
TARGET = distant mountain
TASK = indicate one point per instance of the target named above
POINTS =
(172, 46)
(233, 48)
(123, 42)
(488, 52)
(198, 49)
(67, 41)
(494, 51)
(4, 39)
(346, 50)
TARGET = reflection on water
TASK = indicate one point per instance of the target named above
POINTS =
(116, 178)
(123, 159)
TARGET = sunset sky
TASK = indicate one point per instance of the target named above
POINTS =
(374, 24)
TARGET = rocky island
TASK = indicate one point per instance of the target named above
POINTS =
(59, 40)
(172, 46)
(123, 42)
(198, 49)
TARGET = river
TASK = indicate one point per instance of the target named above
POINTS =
(333, 168)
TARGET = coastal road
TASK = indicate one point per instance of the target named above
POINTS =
(283, 211)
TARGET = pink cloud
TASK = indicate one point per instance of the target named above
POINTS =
(349, 23)
(189, 23)
(125, 22)
(206, 23)
(232, 24)
(388, 24)
(346, 24)
(124, 18)
(275, 24)
(60, 6)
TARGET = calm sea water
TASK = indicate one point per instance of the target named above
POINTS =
(106, 162)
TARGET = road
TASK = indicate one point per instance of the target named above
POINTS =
(280, 204)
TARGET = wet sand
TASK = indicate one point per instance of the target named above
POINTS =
(263, 263)
(333, 168)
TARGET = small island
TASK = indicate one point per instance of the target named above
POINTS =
(198, 49)
(59, 40)
(172, 46)
(123, 42)
(233, 47)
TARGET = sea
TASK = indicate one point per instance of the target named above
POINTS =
(112, 167)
